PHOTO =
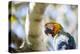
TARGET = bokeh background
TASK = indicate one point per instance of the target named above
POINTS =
(39, 14)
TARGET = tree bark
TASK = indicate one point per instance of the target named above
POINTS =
(35, 33)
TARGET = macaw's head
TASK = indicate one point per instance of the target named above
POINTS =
(52, 28)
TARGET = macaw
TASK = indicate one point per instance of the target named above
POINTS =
(58, 38)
